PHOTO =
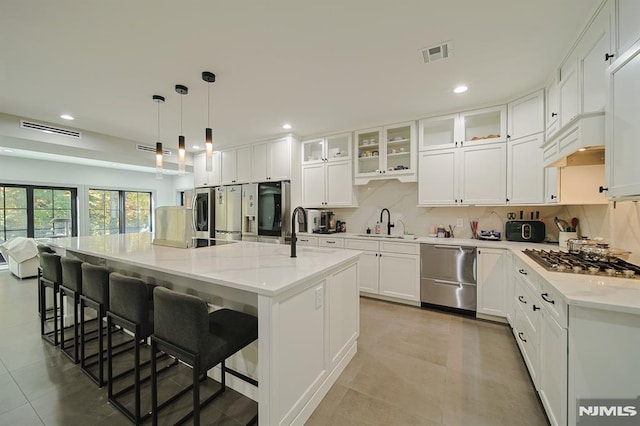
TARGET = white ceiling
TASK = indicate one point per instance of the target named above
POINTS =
(323, 66)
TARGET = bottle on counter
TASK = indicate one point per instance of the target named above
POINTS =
(377, 229)
(441, 231)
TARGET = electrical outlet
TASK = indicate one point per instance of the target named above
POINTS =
(459, 222)
(319, 298)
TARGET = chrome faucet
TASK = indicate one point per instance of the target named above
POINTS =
(293, 228)
(389, 224)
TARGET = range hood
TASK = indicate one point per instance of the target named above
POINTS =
(579, 142)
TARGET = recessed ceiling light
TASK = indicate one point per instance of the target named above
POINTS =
(7, 150)
(460, 89)
(196, 147)
(67, 117)
(286, 126)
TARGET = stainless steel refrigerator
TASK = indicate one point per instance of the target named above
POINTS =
(228, 212)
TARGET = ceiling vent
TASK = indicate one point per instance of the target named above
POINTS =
(436, 53)
(24, 124)
(147, 148)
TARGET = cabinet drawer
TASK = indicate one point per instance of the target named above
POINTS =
(403, 248)
(553, 302)
(526, 273)
(331, 242)
(367, 245)
(528, 303)
(307, 241)
(527, 340)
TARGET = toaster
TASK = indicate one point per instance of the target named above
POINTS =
(529, 231)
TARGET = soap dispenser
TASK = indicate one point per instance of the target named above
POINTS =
(377, 227)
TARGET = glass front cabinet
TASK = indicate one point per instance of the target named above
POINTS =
(387, 152)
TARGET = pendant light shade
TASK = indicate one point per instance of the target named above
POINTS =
(159, 100)
(181, 90)
(209, 77)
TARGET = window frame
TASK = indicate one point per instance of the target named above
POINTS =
(122, 225)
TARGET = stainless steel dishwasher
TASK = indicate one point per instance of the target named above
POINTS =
(448, 277)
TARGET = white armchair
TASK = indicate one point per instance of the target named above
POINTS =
(22, 256)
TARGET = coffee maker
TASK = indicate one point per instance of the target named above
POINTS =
(327, 222)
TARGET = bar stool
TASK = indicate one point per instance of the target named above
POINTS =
(50, 277)
(71, 287)
(41, 249)
(95, 295)
(130, 307)
(184, 328)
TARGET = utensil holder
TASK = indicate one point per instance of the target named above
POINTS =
(563, 236)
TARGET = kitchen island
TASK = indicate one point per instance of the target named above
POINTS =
(307, 308)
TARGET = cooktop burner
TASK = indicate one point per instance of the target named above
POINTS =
(559, 261)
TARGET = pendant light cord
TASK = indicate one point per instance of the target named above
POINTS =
(158, 122)
(209, 105)
(181, 114)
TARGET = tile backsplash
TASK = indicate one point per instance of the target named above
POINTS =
(620, 225)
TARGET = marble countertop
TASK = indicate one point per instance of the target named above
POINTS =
(593, 291)
(260, 268)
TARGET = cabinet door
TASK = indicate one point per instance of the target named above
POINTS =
(368, 272)
(594, 46)
(215, 175)
(259, 168)
(482, 126)
(438, 132)
(200, 175)
(526, 116)
(568, 87)
(483, 174)
(279, 160)
(552, 99)
(228, 160)
(338, 147)
(628, 28)
(313, 151)
(623, 130)
(553, 369)
(527, 340)
(438, 180)
(551, 185)
(243, 164)
(398, 148)
(525, 178)
(400, 276)
(339, 184)
(491, 282)
(367, 144)
(313, 185)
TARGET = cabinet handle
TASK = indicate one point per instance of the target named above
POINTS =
(535, 308)
(522, 271)
(602, 189)
(460, 200)
(521, 299)
(522, 338)
(508, 136)
(554, 114)
(330, 242)
(608, 56)
(461, 143)
(545, 296)
(303, 240)
(456, 144)
(508, 200)
(553, 197)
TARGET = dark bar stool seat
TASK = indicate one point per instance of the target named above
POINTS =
(184, 328)
(71, 287)
(50, 277)
(41, 249)
(130, 307)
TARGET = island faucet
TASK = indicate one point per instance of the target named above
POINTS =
(293, 227)
(389, 224)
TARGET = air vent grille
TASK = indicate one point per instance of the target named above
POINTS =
(24, 124)
(436, 53)
(147, 148)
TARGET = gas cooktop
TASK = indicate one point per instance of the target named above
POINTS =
(559, 261)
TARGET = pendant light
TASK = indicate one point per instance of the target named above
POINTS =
(209, 77)
(182, 90)
(159, 100)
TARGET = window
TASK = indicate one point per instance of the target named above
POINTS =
(119, 212)
(37, 212)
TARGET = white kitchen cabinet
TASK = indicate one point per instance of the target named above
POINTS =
(628, 16)
(623, 127)
(595, 51)
(328, 185)
(387, 152)
(526, 116)
(568, 88)
(463, 176)
(492, 282)
(553, 369)
(525, 174)
(200, 175)
(368, 272)
(327, 149)
(307, 240)
(551, 187)
(331, 242)
(235, 165)
(487, 125)
(272, 160)
(552, 110)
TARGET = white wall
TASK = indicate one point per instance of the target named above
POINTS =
(37, 172)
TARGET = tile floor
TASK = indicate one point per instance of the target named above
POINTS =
(413, 367)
